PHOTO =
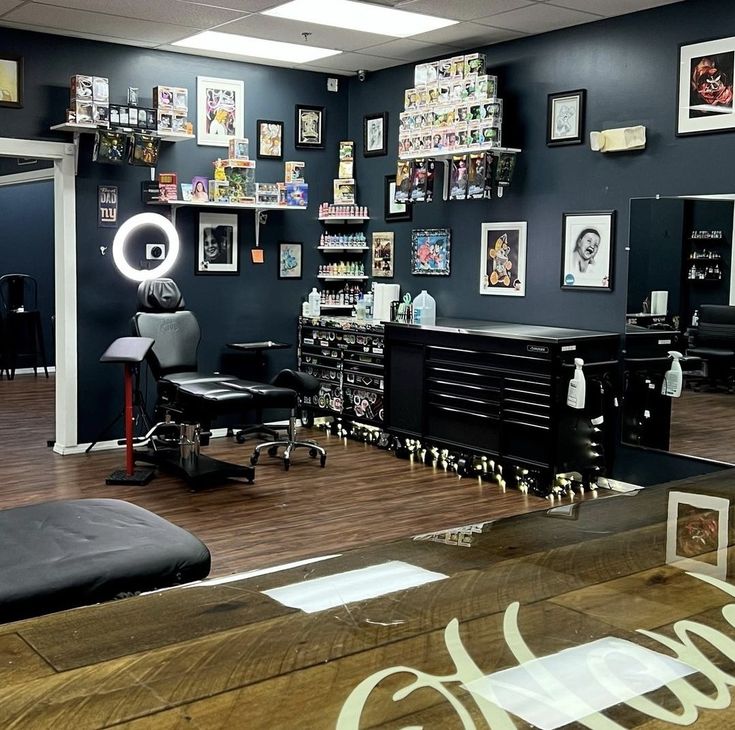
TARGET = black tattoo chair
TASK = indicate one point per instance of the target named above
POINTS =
(714, 343)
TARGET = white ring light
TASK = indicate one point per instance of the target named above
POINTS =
(132, 224)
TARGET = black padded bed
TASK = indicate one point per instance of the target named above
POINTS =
(59, 555)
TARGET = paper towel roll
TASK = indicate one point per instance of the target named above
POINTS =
(384, 294)
(659, 302)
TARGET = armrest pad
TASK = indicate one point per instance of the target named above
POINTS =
(128, 349)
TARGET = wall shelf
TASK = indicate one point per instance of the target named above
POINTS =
(448, 154)
(334, 220)
(92, 128)
(337, 277)
(342, 249)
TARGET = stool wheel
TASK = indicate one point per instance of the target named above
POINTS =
(254, 459)
(273, 451)
(286, 464)
(240, 438)
(313, 453)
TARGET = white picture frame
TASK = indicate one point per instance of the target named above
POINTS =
(503, 259)
(217, 244)
(220, 110)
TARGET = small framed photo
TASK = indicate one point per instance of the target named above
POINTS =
(430, 251)
(697, 533)
(270, 140)
(382, 254)
(375, 134)
(217, 250)
(394, 211)
(11, 81)
(289, 260)
(705, 98)
(310, 127)
(587, 250)
(220, 110)
(503, 259)
(565, 118)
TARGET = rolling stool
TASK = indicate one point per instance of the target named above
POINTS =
(303, 384)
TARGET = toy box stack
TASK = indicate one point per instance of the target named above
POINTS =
(89, 100)
(295, 189)
(172, 108)
(234, 178)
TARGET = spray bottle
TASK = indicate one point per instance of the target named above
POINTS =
(672, 382)
(577, 386)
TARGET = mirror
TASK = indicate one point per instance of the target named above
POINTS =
(680, 263)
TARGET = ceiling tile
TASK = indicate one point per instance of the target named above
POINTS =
(351, 62)
(465, 10)
(467, 35)
(246, 6)
(612, 7)
(538, 18)
(405, 49)
(280, 29)
(162, 11)
(80, 22)
(6, 5)
(79, 34)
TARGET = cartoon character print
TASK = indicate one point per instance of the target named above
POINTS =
(501, 263)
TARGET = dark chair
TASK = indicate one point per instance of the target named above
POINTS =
(305, 385)
(714, 343)
(22, 329)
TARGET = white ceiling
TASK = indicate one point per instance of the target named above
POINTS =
(159, 23)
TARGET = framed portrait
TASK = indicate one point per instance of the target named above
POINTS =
(382, 254)
(705, 97)
(697, 533)
(565, 118)
(430, 251)
(217, 250)
(375, 134)
(289, 260)
(11, 81)
(270, 139)
(503, 259)
(310, 127)
(220, 110)
(394, 211)
(587, 250)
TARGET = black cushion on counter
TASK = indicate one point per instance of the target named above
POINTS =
(59, 555)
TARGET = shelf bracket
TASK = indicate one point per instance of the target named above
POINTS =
(75, 142)
(261, 218)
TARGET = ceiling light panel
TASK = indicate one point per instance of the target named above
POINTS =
(240, 45)
(359, 16)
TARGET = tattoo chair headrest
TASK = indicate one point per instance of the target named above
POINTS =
(159, 295)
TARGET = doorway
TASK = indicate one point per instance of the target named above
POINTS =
(65, 274)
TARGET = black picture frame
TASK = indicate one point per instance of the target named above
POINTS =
(287, 268)
(390, 212)
(375, 134)
(585, 270)
(13, 65)
(565, 113)
(705, 108)
(266, 146)
(309, 127)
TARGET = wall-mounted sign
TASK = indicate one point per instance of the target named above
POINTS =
(107, 206)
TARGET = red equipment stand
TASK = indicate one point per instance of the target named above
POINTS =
(130, 351)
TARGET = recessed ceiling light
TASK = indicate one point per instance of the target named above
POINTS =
(240, 45)
(359, 16)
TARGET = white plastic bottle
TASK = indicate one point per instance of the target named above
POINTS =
(314, 303)
(424, 309)
(671, 385)
(576, 394)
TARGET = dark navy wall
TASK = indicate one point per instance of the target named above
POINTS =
(251, 306)
(27, 244)
(629, 67)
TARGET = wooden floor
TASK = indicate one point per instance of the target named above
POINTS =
(363, 495)
(703, 424)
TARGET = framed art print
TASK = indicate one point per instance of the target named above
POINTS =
(11, 81)
(697, 533)
(270, 139)
(220, 110)
(705, 95)
(289, 260)
(587, 250)
(503, 259)
(430, 251)
(217, 244)
(382, 254)
(375, 134)
(565, 118)
(394, 211)
(309, 127)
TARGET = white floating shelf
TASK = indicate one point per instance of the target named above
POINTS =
(342, 248)
(336, 306)
(344, 219)
(215, 204)
(448, 154)
(330, 277)
(92, 128)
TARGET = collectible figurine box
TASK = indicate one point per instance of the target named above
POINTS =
(294, 171)
(238, 149)
(163, 97)
(266, 193)
(474, 63)
(109, 147)
(144, 150)
(181, 100)
(81, 87)
(297, 194)
(101, 89)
